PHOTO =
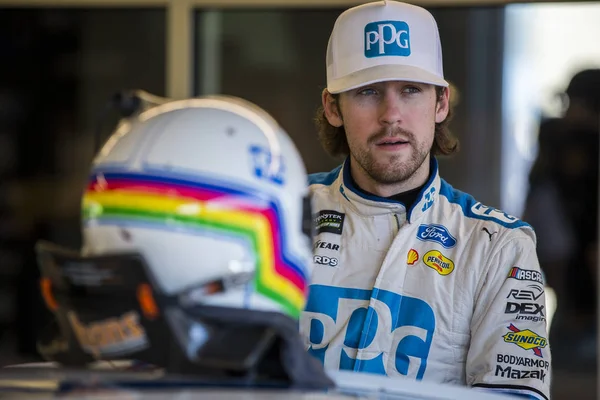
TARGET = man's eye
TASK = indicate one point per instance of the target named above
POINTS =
(412, 89)
(367, 92)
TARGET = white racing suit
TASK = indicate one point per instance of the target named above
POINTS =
(448, 291)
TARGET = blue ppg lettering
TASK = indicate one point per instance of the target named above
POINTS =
(374, 322)
(428, 199)
(387, 38)
(483, 210)
(262, 164)
(436, 233)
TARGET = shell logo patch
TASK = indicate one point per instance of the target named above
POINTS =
(434, 259)
(412, 257)
(527, 340)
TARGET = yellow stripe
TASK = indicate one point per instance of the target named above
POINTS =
(210, 213)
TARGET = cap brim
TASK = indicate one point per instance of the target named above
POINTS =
(381, 73)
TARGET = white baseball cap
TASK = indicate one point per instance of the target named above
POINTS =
(384, 41)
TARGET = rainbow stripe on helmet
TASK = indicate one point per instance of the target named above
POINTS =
(169, 202)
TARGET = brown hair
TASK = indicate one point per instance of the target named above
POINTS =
(333, 139)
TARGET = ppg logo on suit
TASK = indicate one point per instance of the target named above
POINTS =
(350, 328)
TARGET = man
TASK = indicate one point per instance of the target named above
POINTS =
(412, 277)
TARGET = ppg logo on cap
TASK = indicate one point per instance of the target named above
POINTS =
(387, 38)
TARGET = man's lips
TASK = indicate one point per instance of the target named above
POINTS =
(391, 142)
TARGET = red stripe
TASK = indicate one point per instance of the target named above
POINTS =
(281, 267)
(155, 188)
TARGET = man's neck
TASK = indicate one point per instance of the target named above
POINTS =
(365, 182)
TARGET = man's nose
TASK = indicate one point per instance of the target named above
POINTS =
(390, 109)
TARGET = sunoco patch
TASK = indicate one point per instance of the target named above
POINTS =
(329, 221)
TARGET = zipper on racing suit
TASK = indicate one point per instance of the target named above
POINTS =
(397, 224)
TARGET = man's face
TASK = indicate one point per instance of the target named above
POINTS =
(390, 127)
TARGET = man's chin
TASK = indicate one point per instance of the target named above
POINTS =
(394, 171)
(389, 176)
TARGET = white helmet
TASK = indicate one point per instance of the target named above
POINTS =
(209, 191)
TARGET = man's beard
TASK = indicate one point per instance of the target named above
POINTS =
(392, 169)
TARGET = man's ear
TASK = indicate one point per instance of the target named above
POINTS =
(332, 109)
(442, 107)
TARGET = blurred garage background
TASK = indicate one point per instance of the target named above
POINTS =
(509, 62)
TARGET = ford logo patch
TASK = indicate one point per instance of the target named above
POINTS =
(436, 233)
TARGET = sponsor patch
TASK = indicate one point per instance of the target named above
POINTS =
(436, 233)
(112, 336)
(526, 339)
(525, 275)
(267, 167)
(412, 257)
(492, 213)
(340, 312)
(434, 259)
(524, 308)
(514, 373)
(526, 311)
(387, 38)
(522, 361)
(489, 233)
(428, 199)
(329, 221)
(532, 318)
(324, 260)
(326, 245)
(532, 294)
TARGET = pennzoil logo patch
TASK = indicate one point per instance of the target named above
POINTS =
(435, 260)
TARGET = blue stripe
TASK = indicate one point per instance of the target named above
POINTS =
(174, 179)
(512, 393)
(433, 171)
(324, 178)
(467, 203)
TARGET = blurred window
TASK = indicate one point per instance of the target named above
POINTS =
(59, 67)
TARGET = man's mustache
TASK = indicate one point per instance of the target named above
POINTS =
(391, 133)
